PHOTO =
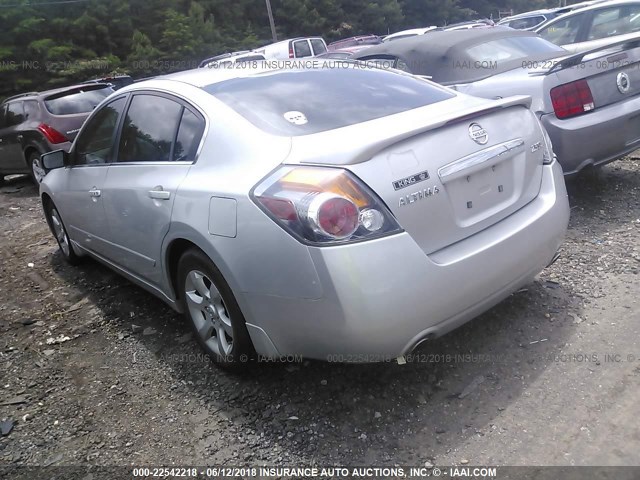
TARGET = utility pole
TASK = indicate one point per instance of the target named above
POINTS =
(271, 22)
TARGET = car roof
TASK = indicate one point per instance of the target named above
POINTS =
(435, 52)
(595, 6)
(440, 42)
(411, 31)
(201, 77)
(51, 92)
(532, 13)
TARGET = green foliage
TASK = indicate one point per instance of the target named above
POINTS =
(44, 45)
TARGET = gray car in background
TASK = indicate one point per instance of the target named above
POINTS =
(342, 213)
(588, 102)
(38, 122)
(594, 26)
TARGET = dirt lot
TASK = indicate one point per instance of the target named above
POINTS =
(95, 370)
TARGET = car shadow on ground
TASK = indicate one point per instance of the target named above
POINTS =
(19, 186)
(452, 389)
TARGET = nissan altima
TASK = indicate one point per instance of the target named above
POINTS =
(334, 213)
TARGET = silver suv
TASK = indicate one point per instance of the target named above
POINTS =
(38, 122)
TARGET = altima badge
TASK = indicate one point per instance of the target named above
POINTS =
(417, 196)
(411, 180)
(623, 82)
(478, 134)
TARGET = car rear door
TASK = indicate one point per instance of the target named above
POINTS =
(12, 156)
(156, 148)
(80, 200)
(3, 133)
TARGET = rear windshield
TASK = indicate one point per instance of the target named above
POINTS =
(511, 48)
(80, 100)
(303, 102)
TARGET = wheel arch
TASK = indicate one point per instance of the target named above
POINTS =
(177, 243)
(28, 150)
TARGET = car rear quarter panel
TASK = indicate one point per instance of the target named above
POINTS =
(261, 257)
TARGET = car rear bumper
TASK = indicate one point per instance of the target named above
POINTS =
(596, 138)
(383, 297)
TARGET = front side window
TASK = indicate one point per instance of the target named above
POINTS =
(95, 143)
(563, 32)
(301, 49)
(615, 21)
(318, 46)
(605, 23)
(149, 129)
(15, 113)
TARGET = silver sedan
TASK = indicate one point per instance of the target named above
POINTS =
(337, 213)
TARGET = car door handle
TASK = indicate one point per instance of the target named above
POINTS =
(20, 137)
(159, 194)
(94, 192)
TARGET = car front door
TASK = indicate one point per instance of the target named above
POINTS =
(301, 49)
(157, 146)
(80, 200)
(3, 134)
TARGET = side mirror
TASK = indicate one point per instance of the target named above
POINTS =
(53, 160)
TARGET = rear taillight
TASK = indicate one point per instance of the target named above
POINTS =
(323, 205)
(572, 99)
(52, 135)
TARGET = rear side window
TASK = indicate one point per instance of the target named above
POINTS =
(31, 109)
(563, 32)
(301, 49)
(94, 145)
(189, 134)
(15, 113)
(318, 46)
(250, 58)
(3, 116)
(81, 100)
(302, 102)
(149, 129)
(527, 22)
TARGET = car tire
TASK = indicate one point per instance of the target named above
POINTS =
(35, 168)
(60, 233)
(212, 311)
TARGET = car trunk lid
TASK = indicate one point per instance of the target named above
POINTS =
(445, 173)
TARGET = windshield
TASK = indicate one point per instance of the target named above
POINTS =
(511, 48)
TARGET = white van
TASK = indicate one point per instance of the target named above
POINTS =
(294, 48)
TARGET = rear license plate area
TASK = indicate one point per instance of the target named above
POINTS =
(482, 193)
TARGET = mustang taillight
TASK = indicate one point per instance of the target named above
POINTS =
(52, 134)
(323, 205)
(572, 99)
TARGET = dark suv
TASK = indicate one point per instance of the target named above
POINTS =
(38, 122)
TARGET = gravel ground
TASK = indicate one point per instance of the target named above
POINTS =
(94, 370)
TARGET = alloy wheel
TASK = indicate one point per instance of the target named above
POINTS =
(60, 232)
(208, 312)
